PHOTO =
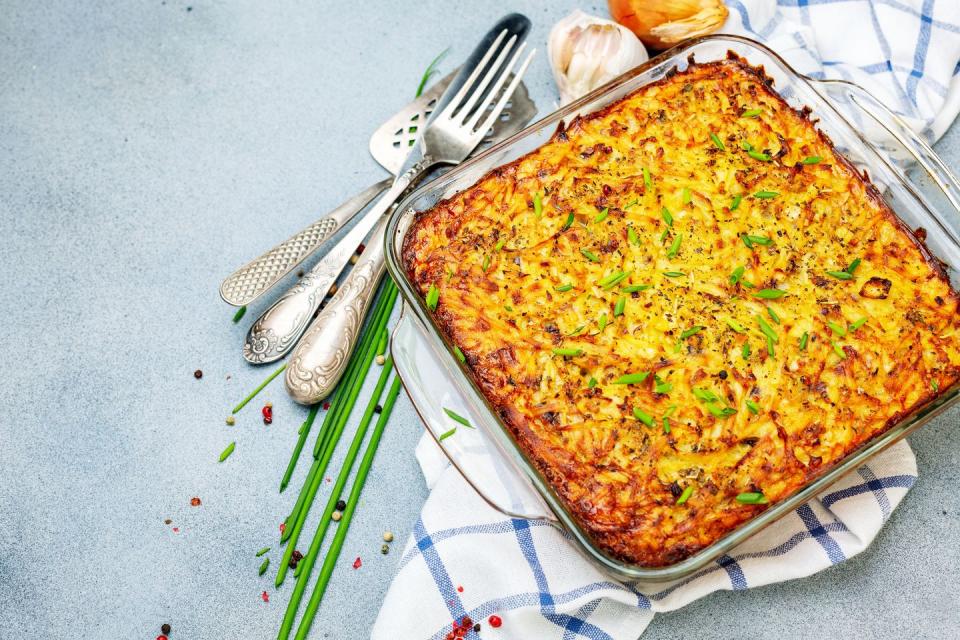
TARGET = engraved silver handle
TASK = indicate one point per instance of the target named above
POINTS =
(278, 329)
(246, 284)
(321, 356)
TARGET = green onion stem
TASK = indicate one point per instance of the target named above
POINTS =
(263, 384)
(336, 546)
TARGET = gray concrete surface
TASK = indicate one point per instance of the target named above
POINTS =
(146, 149)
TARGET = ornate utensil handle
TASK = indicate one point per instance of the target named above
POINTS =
(278, 329)
(322, 355)
(249, 281)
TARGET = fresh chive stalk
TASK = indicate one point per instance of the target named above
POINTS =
(431, 69)
(263, 566)
(717, 142)
(260, 388)
(295, 456)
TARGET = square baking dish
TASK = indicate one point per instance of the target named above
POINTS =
(870, 136)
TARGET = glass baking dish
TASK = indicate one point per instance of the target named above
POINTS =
(874, 139)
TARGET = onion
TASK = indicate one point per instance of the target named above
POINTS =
(663, 23)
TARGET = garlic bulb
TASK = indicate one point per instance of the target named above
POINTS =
(663, 23)
(586, 52)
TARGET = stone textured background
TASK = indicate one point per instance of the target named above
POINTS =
(146, 150)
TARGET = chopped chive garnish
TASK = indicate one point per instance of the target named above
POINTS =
(766, 195)
(748, 285)
(457, 352)
(486, 262)
(674, 246)
(803, 341)
(428, 73)
(226, 452)
(773, 315)
(663, 236)
(591, 383)
(674, 274)
(450, 273)
(858, 323)
(500, 243)
(706, 395)
(736, 274)
(563, 287)
(447, 434)
(589, 255)
(745, 351)
(837, 329)
(264, 566)
(457, 417)
(667, 216)
(666, 424)
(720, 412)
(568, 352)
(736, 326)
(735, 203)
(632, 378)
(661, 386)
(262, 551)
(811, 160)
(717, 142)
(685, 495)
(632, 203)
(753, 407)
(643, 416)
(577, 330)
(840, 275)
(853, 265)
(566, 225)
(602, 322)
(537, 205)
(611, 280)
(632, 236)
(756, 155)
(691, 331)
(770, 349)
(750, 240)
(769, 294)
(766, 329)
(647, 180)
(935, 385)
(837, 349)
(746, 146)
(619, 307)
(633, 288)
(508, 308)
(239, 314)
(751, 113)
(752, 497)
(687, 196)
(602, 215)
(433, 297)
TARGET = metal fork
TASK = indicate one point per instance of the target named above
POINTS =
(321, 356)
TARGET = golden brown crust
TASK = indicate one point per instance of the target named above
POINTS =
(650, 193)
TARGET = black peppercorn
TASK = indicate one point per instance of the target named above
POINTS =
(198, 374)
(476, 628)
(165, 628)
(341, 505)
(295, 559)
(723, 375)
(377, 409)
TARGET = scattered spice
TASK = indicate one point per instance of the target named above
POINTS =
(476, 628)
(460, 588)
(336, 515)
(381, 360)
(388, 536)
(295, 559)
(341, 505)
(176, 529)
(226, 452)
(378, 409)
(263, 551)
(162, 637)
(357, 563)
(333, 289)
(361, 248)
(326, 405)
(167, 521)
(198, 374)
(231, 420)
(495, 621)
(195, 501)
(385, 549)
(263, 566)
(165, 628)
(354, 258)
(267, 412)
(283, 527)
(265, 596)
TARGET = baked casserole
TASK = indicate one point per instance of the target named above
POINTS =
(685, 307)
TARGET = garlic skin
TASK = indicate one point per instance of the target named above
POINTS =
(586, 52)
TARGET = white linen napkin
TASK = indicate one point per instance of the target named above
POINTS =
(466, 559)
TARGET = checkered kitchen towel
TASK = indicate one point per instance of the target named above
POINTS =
(466, 559)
